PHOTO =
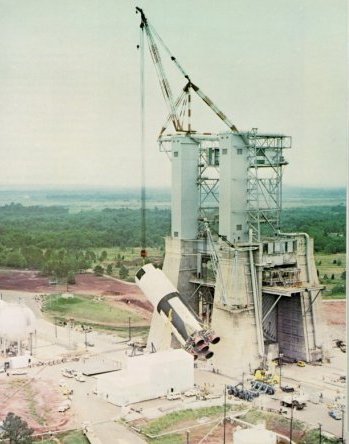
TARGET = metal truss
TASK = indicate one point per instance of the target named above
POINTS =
(264, 181)
(208, 181)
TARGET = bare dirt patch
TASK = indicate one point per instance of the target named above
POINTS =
(116, 292)
(35, 401)
(334, 314)
(30, 280)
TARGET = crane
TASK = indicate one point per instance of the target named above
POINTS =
(152, 35)
(176, 107)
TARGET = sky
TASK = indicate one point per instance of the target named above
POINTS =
(70, 85)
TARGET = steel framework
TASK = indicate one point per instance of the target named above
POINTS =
(208, 183)
(264, 181)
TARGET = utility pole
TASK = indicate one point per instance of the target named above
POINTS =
(129, 328)
(320, 434)
(281, 355)
(291, 422)
(343, 411)
(188, 436)
(243, 380)
(225, 411)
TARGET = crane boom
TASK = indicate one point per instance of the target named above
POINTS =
(165, 87)
(163, 81)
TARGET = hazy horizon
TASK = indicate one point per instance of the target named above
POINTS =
(70, 100)
(85, 187)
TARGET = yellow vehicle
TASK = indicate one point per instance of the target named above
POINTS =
(262, 375)
(301, 364)
(65, 390)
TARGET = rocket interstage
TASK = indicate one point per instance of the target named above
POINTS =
(185, 324)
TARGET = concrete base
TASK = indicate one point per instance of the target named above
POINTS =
(237, 351)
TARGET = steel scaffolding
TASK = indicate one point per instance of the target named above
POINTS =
(264, 181)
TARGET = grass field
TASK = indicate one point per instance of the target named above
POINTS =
(74, 437)
(176, 420)
(87, 309)
(183, 423)
(331, 268)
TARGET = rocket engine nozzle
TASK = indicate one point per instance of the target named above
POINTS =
(203, 348)
(209, 354)
(199, 342)
(186, 326)
(211, 337)
(215, 340)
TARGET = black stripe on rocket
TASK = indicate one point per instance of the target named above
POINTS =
(176, 320)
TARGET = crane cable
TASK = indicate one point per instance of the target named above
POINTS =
(142, 145)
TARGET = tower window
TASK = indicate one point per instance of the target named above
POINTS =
(224, 151)
(175, 234)
(239, 150)
(175, 153)
(239, 227)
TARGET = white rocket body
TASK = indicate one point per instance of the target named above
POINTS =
(185, 324)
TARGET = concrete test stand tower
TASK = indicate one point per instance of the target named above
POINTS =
(255, 286)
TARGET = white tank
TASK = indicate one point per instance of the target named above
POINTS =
(254, 436)
(16, 321)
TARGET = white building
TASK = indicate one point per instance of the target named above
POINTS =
(147, 377)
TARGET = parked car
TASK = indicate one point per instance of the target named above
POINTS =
(64, 406)
(173, 396)
(298, 402)
(336, 414)
(301, 363)
(287, 389)
(69, 372)
(80, 378)
(192, 392)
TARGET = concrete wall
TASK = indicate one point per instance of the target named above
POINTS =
(236, 278)
(185, 190)
(237, 350)
(233, 188)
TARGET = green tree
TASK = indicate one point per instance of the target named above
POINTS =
(338, 289)
(103, 256)
(16, 430)
(98, 270)
(109, 269)
(123, 272)
(90, 256)
(33, 255)
(344, 275)
(15, 259)
(71, 278)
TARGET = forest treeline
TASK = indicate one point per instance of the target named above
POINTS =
(57, 242)
(326, 225)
